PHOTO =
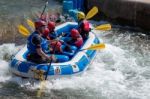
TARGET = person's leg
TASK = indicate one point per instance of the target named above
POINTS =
(35, 58)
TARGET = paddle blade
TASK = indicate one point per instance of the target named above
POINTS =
(96, 47)
(30, 23)
(42, 86)
(23, 30)
(91, 13)
(103, 27)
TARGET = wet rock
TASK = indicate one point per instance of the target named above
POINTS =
(126, 12)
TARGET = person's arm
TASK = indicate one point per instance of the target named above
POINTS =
(41, 53)
(37, 42)
(53, 35)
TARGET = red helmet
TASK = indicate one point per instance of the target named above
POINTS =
(46, 32)
(51, 26)
(39, 24)
(75, 33)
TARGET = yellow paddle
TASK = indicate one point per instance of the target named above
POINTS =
(42, 86)
(95, 47)
(103, 27)
(91, 13)
(30, 23)
(24, 31)
(100, 27)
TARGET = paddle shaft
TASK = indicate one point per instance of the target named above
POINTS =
(44, 8)
(50, 61)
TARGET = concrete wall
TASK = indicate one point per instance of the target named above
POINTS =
(135, 12)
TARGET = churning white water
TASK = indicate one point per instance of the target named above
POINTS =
(6, 51)
(120, 71)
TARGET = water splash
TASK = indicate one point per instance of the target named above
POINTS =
(6, 51)
(121, 71)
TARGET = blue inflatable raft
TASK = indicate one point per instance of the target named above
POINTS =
(77, 64)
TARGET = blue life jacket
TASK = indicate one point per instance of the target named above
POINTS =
(32, 48)
(79, 24)
(53, 35)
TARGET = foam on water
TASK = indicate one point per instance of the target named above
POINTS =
(6, 51)
(4, 70)
(120, 71)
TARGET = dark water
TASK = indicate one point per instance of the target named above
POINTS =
(15, 12)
